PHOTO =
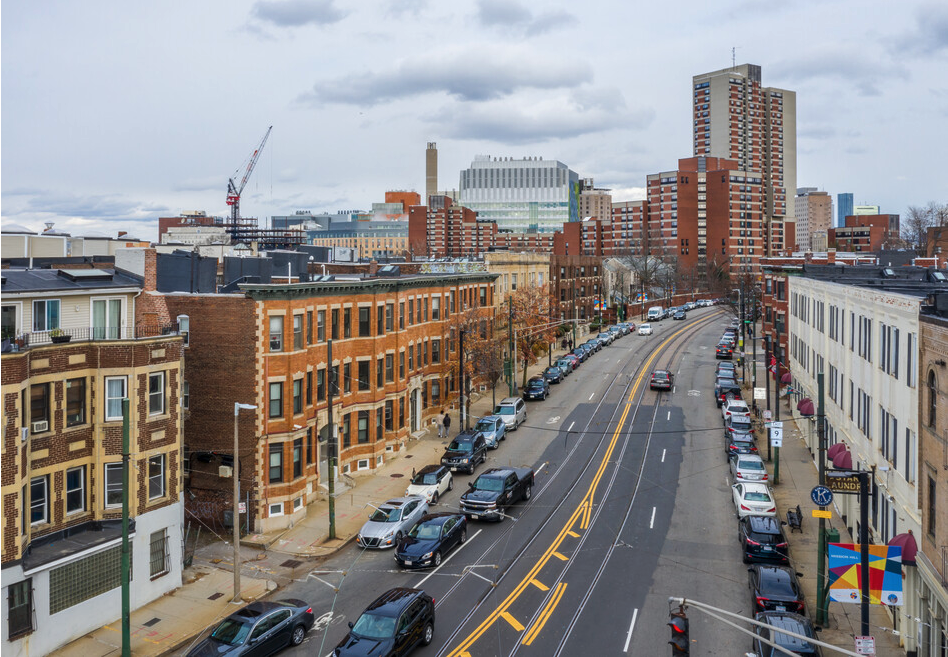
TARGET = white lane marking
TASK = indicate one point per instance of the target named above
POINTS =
(651, 524)
(669, 416)
(673, 389)
(460, 547)
(618, 360)
(570, 426)
(663, 456)
(628, 637)
(591, 396)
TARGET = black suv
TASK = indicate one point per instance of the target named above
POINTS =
(725, 386)
(775, 588)
(467, 450)
(762, 539)
(784, 620)
(394, 624)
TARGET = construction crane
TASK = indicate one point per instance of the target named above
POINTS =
(234, 191)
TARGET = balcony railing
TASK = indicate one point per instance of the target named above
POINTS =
(21, 341)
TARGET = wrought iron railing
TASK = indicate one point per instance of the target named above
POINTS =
(91, 334)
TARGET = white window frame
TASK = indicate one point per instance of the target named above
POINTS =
(162, 535)
(45, 519)
(279, 335)
(185, 395)
(124, 380)
(115, 468)
(362, 464)
(17, 316)
(45, 314)
(298, 503)
(160, 376)
(82, 489)
(158, 458)
(271, 513)
(106, 333)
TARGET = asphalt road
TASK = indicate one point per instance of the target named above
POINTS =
(631, 505)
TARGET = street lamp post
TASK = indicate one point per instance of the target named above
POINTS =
(236, 516)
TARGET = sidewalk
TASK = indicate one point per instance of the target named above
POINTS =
(798, 475)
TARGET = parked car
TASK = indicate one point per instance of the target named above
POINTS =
(431, 539)
(553, 374)
(466, 451)
(775, 588)
(724, 350)
(762, 539)
(734, 406)
(724, 386)
(537, 388)
(566, 365)
(495, 490)
(679, 314)
(691, 305)
(753, 500)
(784, 620)
(431, 482)
(581, 353)
(608, 336)
(513, 411)
(493, 428)
(396, 622)
(661, 380)
(738, 424)
(261, 628)
(726, 368)
(747, 467)
(645, 329)
(390, 521)
(593, 345)
(740, 443)
(576, 360)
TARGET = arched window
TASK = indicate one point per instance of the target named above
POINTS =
(932, 400)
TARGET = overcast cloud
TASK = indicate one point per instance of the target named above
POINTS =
(116, 113)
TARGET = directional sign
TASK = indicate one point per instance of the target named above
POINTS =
(776, 436)
(821, 496)
(776, 425)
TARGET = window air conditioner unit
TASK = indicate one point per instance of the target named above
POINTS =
(41, 426)
(225, 471)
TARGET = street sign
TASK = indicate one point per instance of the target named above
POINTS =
(866, 645)
(817, 513)
(768, 415)
(242, 507)
(776, 425)
(760, 393)
(821, 496)
(843, 482)
(776, 436)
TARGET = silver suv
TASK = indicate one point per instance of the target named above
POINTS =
(513, 411)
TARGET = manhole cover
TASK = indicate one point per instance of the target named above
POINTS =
(396, 475)
(153, 621)
(215, 596)
(290, 563)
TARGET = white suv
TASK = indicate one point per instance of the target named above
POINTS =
(513, 411)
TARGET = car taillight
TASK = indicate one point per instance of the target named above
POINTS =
(753, 449)
(750, 542)
(745, 508)
(772, 509)
(764, 478)
(783, 545)
(761, 602)
(309, 611)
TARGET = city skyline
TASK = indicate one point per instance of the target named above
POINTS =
(116, 117)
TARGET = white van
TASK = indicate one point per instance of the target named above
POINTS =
(656, 313)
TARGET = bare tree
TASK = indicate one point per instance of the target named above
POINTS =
(915, 225)
(531, 317)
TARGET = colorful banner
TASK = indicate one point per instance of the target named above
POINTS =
(885, 573)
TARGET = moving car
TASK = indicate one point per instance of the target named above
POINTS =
(753, 500)
(466, 451)
(396, 622)
(537, 388)
(261, 628)
(747, 467)
(724, 350)
(431, 482)
(553, 374)
(431, 539)
(775, 588)
(645, 329)
(391, 521)
(784, 620)
(513, 411)
(762, 539)
(661, 380)
(493, 428)
(495, 490)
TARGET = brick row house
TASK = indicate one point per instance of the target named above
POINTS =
(267, 345)
(72, 351)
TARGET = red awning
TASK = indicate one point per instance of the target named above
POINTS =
(805, 406)
(909, 547)
(786, 379)
(843, 460)
(834, 450)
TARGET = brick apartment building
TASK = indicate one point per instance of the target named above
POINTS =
(445, 230)
(525, 242)
(77, 347)
(865, 233)
(580, 238)
(267, 345)
(576, 285)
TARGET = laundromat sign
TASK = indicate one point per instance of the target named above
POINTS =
(847, 484)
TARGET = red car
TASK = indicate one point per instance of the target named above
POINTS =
(661, 380)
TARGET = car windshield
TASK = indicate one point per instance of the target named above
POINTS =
(230, 631)
(534, 383)
(484, 425)
(371, 626)
(459, 446)
(752, 464)
(426, 479)
(489, 483)
(426, 531)
(504, 410)
(740, 423)
(386, 514)
(777, 584)
(756, 496)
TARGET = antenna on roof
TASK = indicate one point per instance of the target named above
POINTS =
(734, 56)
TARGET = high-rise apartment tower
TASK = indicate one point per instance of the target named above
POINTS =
(431, 171)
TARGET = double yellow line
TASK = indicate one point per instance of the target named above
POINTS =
(581, 514)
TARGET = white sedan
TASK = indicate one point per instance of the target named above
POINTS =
(645, 329)
(753, 500)
(734, 406)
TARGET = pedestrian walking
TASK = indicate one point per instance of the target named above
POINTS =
(447, 424)
(439, 420)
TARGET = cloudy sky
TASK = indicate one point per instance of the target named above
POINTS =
(116, 113)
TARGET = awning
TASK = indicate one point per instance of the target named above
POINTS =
(834, 450)
(786, 379)
(843, 460)
(909, 547)
(805, 406)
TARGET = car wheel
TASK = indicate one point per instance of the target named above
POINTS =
(428, 635)
(437, 558)
(464, 535)
(470, 469)
(528, 492)
(434, 498)
(299, 633)
(398, 537)
(451, 484)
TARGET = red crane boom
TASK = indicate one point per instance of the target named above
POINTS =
(234, 191)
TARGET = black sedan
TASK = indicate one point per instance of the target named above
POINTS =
(679, 314)
(553, 374)
(775, 588)
(536, 388)
(260, 628)
(762, 539)
(581, 353)
(432, 538)
(724, 350)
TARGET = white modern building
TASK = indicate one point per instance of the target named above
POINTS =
(526, 195)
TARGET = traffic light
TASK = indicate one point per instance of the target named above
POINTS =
(680, 641)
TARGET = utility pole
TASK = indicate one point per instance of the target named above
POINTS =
(767, 388)
(743, 333)
(461, 370)
(331, 444)
(126, 548)
(821, 536)
(236, 514)
(510, 334)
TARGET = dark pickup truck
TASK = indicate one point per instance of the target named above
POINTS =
(495, 490)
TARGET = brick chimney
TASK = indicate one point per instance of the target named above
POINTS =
(373, 267)
(830, 256)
